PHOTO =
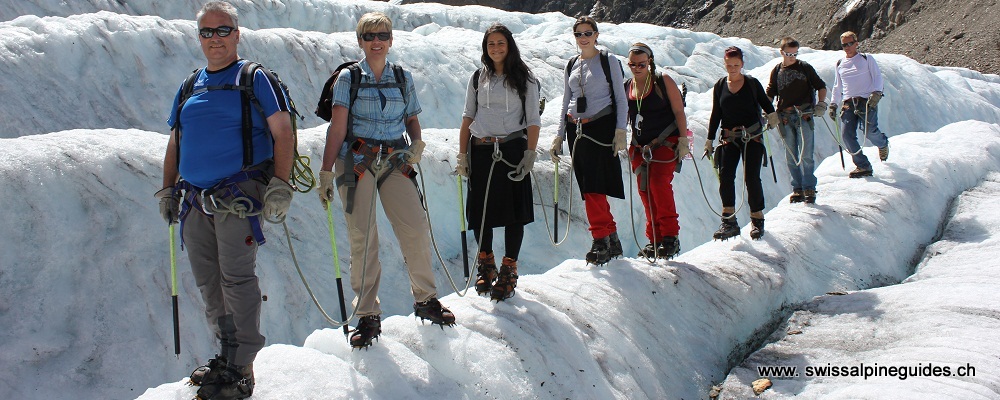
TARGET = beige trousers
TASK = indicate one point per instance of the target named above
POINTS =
(401, 204)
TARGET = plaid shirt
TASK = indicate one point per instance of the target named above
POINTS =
(371, 120)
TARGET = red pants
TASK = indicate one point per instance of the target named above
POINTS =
(602, 223)
(658, 198)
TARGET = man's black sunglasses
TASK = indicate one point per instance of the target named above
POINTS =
(222, 31)
(369, 36)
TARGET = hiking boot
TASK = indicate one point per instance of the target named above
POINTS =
(809, 196)
(435, 312)
(758, 228)
(729, 228)
(796, 196)
(504, 289)
(208, 372)
(669, 247)
(649, 251)
(860, 172)
(369, 327)
(614, 246)
(231, 383)
(600, 252)
(487, 272)
(883, 153)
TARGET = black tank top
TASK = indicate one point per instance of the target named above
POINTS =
(656, 113)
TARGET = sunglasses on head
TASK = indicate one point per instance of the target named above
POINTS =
(369, 36)
(637, 65)
(587, 33)
(849, 44)
(795, 54)
(222, 31)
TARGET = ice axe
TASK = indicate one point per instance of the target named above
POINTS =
(336, 264)
(173, 295)
(555, 202)
(461, 218)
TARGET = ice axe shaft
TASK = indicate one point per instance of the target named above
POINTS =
(173, 295)
(461, 219)
(336, 267)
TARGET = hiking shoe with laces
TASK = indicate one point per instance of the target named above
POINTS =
(860, 172)
(208, 372)
(796, 197)
(487, 272)
(758, 228)
(600, 252)
(435, 312)
(809, 196)
(883, 153)
(233, 382)
(614, 246)
(504, 288)
(729, 228)
(369, 327)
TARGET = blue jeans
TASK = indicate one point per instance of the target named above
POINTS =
(851, 117)
(797, 143)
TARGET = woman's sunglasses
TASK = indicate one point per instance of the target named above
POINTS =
(369, 36)
(587, 33)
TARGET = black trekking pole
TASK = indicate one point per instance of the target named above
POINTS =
(173, 295)
(461, 217)
(336, 263)
(767, 150)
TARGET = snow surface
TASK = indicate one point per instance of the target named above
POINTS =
(945, 315)
(92, 317)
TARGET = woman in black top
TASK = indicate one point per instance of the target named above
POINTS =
(656, 115)
(736, 106)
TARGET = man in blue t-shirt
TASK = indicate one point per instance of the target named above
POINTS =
(205, 160)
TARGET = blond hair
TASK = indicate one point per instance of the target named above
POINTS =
(372, 21)
(850, 34)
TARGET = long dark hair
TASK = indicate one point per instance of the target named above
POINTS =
(516, 70)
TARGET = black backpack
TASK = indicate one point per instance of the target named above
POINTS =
(606, 66)
(248, 99)
(524, 110)
(324, 108)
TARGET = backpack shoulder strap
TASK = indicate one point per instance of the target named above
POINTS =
(606, 66)
(475, 79)
(400, 80)
(569, 65)
(248, 99)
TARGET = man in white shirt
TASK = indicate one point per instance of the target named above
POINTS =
(857, 85)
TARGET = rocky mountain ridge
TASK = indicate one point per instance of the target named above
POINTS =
(959, 33)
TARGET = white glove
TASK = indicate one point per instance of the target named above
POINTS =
(556, 150)
(709, 148)
(325, 187)
(417, 148)
(620, 142)
(462, 169)
(170, 205)
(524, 167)
(277, 199)
(819, 109)
(873, 99)
(683, 148)
(773, 120)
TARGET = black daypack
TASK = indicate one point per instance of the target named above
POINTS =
(324, 109)
(606, 66)
(248, 100)
(524, 109)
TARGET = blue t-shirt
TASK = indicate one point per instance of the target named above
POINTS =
(374, 117)
(211, 140)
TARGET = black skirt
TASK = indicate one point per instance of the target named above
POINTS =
(597, 168)
(509, 201)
